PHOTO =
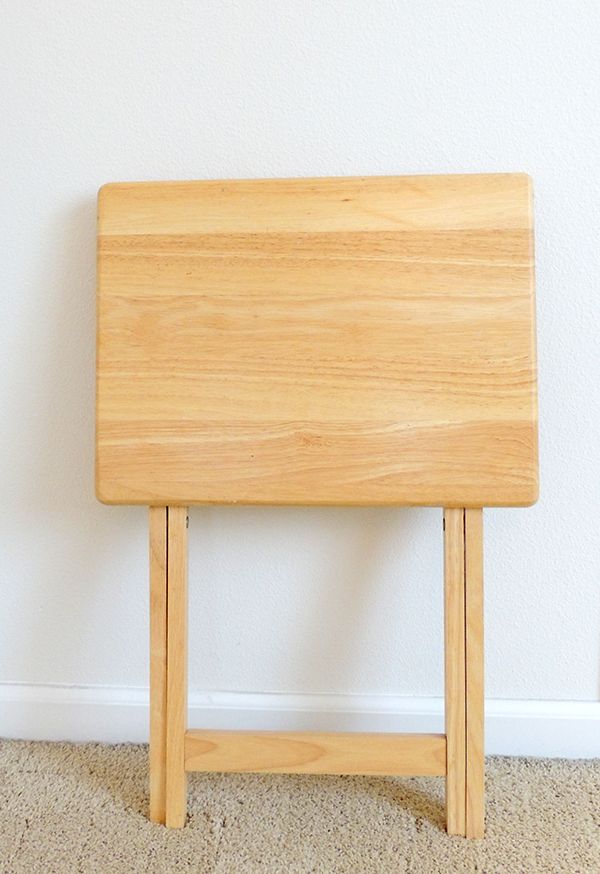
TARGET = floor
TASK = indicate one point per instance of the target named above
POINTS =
(82, 808)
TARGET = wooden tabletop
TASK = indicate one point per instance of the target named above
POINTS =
(317, 341)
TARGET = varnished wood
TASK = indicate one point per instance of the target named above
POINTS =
(317, 341)
(474, 673)
(158, 662)
(176, 801)
(455, 686)
(463, 570)
(316, 753)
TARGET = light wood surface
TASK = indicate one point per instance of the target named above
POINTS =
(455, 684)
(158, 662)
(316, 753)
(463, 571)
(317, 341)
(176, 783)
(474, 673)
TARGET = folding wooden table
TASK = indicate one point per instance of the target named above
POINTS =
(351, 341)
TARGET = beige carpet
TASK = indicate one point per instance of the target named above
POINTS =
(82, 808)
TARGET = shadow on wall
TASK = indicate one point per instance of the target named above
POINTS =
(70, 585)
(320, 600)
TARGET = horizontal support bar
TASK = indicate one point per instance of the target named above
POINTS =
(409, 755)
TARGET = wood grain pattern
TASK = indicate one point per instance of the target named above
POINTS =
(176, 783)
(317, 341)
(474, 673)
(316, 752)
(455, 670)
(158, 662)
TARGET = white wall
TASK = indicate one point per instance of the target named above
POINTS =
(289, 600)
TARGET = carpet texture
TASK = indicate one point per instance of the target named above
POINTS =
(82, 808)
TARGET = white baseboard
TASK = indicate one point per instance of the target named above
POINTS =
(116, 714)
